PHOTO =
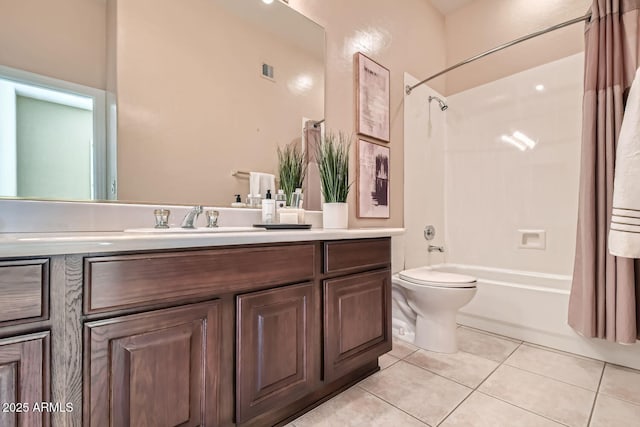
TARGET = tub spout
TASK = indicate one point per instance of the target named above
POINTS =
(433, 248)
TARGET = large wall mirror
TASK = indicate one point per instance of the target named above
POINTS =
(200, 88)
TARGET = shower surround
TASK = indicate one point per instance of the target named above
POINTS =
(485, 189)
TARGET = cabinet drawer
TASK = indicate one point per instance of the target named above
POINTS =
(141, 280)
(24, 291)
(354, 255)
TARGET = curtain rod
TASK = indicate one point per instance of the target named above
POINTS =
(586, 17)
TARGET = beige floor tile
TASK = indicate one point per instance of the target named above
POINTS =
(610, 412)
(401, 348)
(416, 391)
(386, 360)
(553, 399)
(356, 408)
(480, 410)
(462, 367)
(485, 345)
(622, 383)
(565, 367)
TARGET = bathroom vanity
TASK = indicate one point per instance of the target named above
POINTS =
(175, 330)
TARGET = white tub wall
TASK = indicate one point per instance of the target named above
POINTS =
(493, 189)
(425, 136)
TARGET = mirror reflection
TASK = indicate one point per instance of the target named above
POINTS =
(192, 92)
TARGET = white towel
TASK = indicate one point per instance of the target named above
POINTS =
(260, 182)
(624, 234)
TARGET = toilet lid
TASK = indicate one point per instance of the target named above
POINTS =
(429, 277)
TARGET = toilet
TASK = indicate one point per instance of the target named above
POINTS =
(436, 297)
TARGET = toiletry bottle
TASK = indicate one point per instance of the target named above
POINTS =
(281, 203)
(295, 198)
(300, 201)
(281, 199)
(268, 209)
(238, 203)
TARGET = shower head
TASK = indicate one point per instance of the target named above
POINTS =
(443, 105)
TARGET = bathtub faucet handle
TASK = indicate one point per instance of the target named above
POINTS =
(433, 248)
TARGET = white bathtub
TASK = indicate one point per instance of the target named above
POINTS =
(532, 307)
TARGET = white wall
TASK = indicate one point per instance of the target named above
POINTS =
(425, 136)
(493, 189)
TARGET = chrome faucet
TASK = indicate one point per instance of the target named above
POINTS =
(191, 217)
(433, 248)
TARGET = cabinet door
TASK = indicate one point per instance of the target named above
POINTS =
(24, 380)
(357, 321)
(156, 369)
(278, 348)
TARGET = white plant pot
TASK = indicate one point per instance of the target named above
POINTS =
(335, 215)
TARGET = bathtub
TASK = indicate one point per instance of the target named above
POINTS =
(529, 306)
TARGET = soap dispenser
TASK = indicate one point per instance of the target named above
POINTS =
(238, 203)
(268, 209)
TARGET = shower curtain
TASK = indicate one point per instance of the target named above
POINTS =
(605, 294)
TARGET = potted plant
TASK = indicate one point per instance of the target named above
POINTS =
(333, 164)
(291, 169)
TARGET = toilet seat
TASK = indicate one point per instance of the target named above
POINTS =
(425, 276)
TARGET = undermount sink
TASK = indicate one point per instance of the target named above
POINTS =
(198, 230)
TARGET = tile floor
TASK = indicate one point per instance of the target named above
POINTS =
(492, 381)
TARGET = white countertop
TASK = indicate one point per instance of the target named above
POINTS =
(38, 244)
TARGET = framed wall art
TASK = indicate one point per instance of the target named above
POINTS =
(372, 182)
(372, 98)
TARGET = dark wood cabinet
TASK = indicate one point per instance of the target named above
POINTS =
(155, 369)
(24, 380)
(357, 321)
(247, 335)
(278, 349)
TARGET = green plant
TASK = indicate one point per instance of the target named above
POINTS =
(333, 164)
(291, 169)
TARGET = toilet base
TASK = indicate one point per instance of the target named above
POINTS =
(437, 332)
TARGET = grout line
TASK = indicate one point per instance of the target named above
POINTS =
(533, 373)
(479, 384)
(391, 404)
(393, 363)
(524, 409)
(551, 378)
(595, 398)
(619, 399)
(477, 389)
(561, 352)
(493, 335)
(456, 407)
(499, 365)
(439, 375)
(504, 362)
